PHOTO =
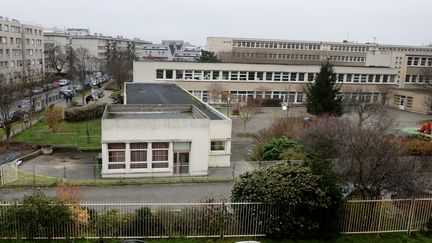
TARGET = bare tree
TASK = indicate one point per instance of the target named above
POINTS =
(119, 63)
(83, 64)
(9, 95)
(247, 112)
(215, 92)
(368, 161)
(57, 59)
(364, 109)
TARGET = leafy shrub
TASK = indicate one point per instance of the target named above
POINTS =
(274, 148)
(53, 116)
(299, 195)
(428, 226)
(293, 154)
(417, 147)
(270, 102)
(117, 96)
(39, 215)
(111, 86)
(83, 113)
(289, 127)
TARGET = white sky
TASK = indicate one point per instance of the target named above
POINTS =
(390, 21)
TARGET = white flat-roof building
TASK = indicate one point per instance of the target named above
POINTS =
(162, 130)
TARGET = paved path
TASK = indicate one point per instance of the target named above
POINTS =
(145, 193)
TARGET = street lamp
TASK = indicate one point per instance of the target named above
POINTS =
(285, 108)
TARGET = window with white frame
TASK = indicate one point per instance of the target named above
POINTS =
(116, 156)
(217, 146)
(160, 154)
(159, 74)
(138, 155)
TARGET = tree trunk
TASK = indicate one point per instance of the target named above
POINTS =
(87, 132)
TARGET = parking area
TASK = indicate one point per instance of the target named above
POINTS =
(65, 165)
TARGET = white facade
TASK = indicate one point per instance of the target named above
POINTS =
(157, 139)
(264, 81)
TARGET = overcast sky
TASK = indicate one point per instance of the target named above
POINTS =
(390, 21)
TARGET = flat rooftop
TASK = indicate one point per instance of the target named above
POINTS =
(165, 94)
(153, 111)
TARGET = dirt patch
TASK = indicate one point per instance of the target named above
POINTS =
(22, 148)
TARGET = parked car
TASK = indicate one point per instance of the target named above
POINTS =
(24, 105)
(67, 90)
(95, 82)
(77, 88)
(64, 82)
(37, 90)
(18, 115)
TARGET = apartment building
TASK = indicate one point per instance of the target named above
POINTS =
(265, 81)
(21, 50)
(170, 50)
(96, 43)
(160, 52)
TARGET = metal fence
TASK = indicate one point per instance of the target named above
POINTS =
(386, 215)
(149, 220)
(8, 173)
(194, 220)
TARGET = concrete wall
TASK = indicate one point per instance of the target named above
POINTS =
(195, 131)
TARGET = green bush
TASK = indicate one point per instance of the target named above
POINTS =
(276, 149)
(117, 96)
(300, 198)
(111, 85)
(38, 216)
(83, 113)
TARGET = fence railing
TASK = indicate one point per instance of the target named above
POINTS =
(384, 216)
(222, 219)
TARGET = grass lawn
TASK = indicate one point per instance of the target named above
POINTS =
(372, 238)
(71, 133)
(423, 122)
(14, 126)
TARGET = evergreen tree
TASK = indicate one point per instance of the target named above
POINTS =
(322, 95)
(208, 56)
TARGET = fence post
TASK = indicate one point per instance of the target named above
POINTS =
(223, 221)
(411, 215)
(34, 175)
(380, 216)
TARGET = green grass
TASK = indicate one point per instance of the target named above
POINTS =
(421, 122)
(372, 238)
(70, 134)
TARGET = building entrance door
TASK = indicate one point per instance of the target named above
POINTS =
(402, 102)
(181, 163)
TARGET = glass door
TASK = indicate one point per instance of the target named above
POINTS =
(402, 102)
(181, 163)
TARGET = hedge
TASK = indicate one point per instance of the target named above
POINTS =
(91, 111)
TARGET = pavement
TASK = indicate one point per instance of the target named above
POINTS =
(144, 193)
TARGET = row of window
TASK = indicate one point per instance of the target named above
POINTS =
(349, 48)
(276, 56)
(142, 155)
(18, 52)
(18, 41)
(417, 79)
(405, 49)
(275, 45)
(312, 46)
(288, 96)
(19, 63)
(420, 61)
(167, 74)
(348, 58)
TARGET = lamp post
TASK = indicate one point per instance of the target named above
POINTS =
(285, 108)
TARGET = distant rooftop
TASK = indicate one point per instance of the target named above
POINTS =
(165, 94)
